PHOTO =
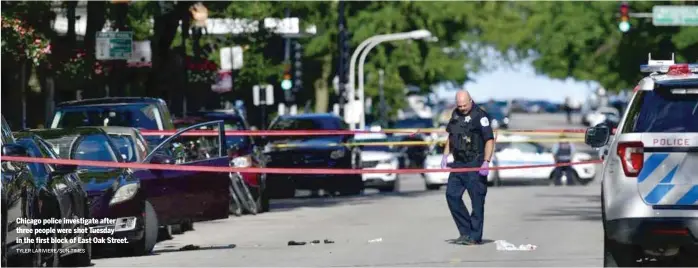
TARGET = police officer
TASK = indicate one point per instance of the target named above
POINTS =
(562, 152)
(471, 141)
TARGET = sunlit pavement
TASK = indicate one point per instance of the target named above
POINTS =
(412, 226)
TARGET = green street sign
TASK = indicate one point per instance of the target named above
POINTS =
(675, 15)
(113, 45)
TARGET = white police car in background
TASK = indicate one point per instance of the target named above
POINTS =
(650, 175)
(511, 150)
(378, 157)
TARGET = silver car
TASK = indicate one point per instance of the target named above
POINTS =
(649, 187)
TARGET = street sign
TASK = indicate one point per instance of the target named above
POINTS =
(263, 94)
(114, 45)
(675, 15)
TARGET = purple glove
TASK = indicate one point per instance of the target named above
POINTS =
(485, 172)
(444, 161)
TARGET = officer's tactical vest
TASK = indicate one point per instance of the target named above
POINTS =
(465, 139)
(564, 153)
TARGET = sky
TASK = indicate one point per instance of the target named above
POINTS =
(520, 82)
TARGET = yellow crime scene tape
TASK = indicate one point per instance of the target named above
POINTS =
(417, 143)
(542, 132)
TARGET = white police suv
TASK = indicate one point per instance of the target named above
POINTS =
(650, 173)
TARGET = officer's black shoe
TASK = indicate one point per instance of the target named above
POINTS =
(464, 240)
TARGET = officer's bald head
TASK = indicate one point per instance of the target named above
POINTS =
(463, 101)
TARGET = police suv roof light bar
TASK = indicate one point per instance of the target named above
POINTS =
(666, 66)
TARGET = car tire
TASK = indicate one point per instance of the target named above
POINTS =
(52, 259)
(391, 187)
(618, 255)
(3, 236)
(496, 180)
(165, 233)
(145, 245)
(79, 259)
(262, 195)
(187, 226)
(353, 185)
(433, 187)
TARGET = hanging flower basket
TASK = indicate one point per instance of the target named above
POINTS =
(73, 69)
(22, 42)
(201, 71)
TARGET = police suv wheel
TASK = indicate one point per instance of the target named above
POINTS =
(618, 255)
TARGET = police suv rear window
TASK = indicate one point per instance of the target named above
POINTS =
(661, 111)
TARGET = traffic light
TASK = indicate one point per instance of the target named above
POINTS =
(624, 24)
(286, 83)
(297, 66)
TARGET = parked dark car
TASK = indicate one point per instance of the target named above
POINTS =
(134, 148)
(21, 196)
(68, 198)
(113, 193)
(412, 155)
(137, 112)
(295, 151)
(143, 200)
(244, 152)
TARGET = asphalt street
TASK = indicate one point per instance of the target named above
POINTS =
(406, 228)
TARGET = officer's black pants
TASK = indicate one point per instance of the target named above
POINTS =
(568, 171)
(467, 224)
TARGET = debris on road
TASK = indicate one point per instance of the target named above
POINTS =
(377, 240)
(503, 245)
(189, 247)
(296, 243)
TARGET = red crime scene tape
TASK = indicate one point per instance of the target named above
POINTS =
(267, 170)
(145, 132)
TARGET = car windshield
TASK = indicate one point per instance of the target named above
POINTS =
(414, 123)
(654, 111)
(319, 123)
(126, 147)
(141, 115)
(88, 147)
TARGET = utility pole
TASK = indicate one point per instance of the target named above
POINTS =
(341, 72)
(288, 95)
(381, 92)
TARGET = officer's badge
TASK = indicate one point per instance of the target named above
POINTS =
(467, 139)
(467, 119)
(484, 122)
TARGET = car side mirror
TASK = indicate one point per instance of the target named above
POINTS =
(162, 159)
(14, 150)
(597, 136)
(61, 170)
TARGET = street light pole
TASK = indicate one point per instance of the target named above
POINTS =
(418, 34)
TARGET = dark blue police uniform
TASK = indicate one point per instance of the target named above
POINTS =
(468, 134)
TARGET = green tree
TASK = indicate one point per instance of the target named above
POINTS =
(581, 40)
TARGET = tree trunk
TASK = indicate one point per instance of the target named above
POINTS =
(70, 13)
(321, 88)
(164, 31)
(96, 11)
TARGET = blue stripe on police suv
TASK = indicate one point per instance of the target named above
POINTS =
(665, 186)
